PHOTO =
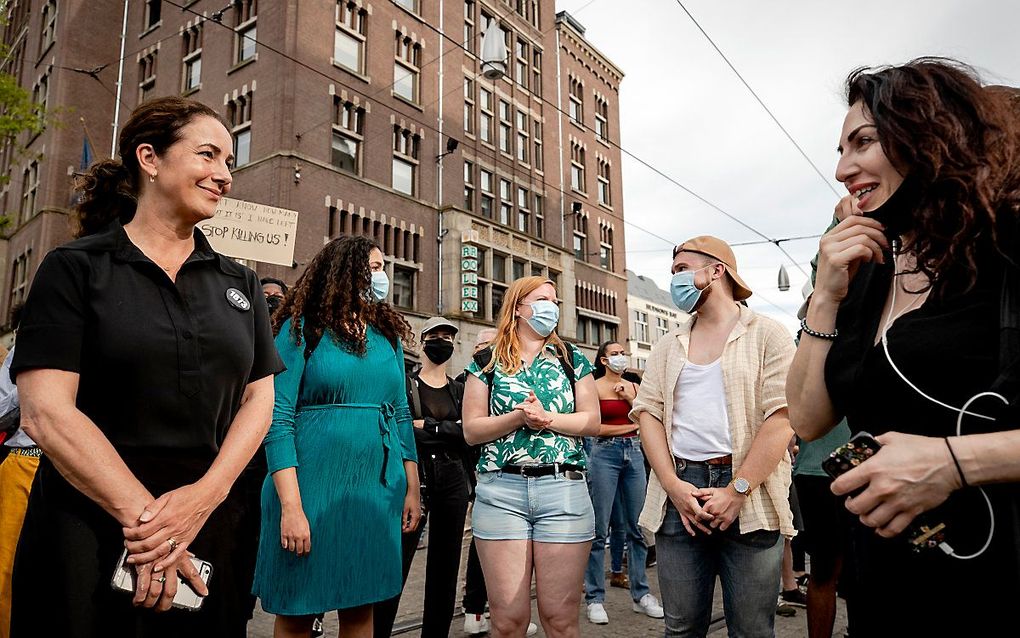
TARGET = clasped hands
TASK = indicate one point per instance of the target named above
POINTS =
(705, 509)
(534, 414)
(158, 542)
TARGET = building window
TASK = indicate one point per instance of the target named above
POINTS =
(641, 326)
(403, 287)
(49, 26)
(349, 41)
(147, 75)
(469, 23)
(410, 5)
(523, 141)
(538, 161)
(536, 72)
(469, 106)
(505, 128)
(580, 236)
(523, 210)
(485, 121)
(605, 194)
(498, 294)
(239, 116)
(576, 107)
(602, 119)
(348, 136)
(487, 195)
(499, 267)
(539, 212)
(582, 329)
(19, 279)
(469, 187)
(506, 202)
(405, 160)
(518, 269)
(245, 30)
(577, 167)
(605, 245)
(153, 13)
(192, 47)
(661, 327)
(521, 64)
(406, 68)
(29, 190)
(41, 90)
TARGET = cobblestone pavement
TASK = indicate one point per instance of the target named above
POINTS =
(623, 622)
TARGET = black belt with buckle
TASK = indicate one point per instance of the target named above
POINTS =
(719, 460)
(543, 469)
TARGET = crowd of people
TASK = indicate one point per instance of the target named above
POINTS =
(214, 441)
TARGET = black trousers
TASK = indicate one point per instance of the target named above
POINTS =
(447, 492)
(475, 594)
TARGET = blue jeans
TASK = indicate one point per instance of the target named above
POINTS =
(749, 566)
(616, 471)
(617, 534)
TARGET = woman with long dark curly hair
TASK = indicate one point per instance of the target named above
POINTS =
(904, 337)
(342, 462)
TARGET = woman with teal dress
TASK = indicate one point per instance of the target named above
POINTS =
(343, 478)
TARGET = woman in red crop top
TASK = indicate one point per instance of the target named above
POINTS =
(616, 470)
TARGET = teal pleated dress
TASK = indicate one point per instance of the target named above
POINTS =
(342, 421)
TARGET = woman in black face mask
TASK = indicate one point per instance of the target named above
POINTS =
(435, 402)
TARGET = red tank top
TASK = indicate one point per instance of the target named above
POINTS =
(614, 412)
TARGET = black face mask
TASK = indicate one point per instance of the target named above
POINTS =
(274, 303)
(897, 212)
(438, 351)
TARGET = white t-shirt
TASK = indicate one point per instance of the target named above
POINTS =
(9, 401)
(701, 427)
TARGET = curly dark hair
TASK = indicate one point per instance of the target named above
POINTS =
(959, 142)
(331, 294)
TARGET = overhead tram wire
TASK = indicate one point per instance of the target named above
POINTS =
(759, 100)
(510, 165)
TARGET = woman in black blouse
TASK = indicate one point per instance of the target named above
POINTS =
(145, 367)
(903, 330)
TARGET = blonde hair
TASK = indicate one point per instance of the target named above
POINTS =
(506, 347)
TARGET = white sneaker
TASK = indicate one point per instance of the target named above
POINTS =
(649, 606)
(597, 614)
(476, 624)
(532, 629)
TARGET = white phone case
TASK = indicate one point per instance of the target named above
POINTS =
(186, 597)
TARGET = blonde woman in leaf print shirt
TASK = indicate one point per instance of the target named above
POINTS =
(532, 511)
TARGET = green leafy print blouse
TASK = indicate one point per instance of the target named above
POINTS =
(546, 378)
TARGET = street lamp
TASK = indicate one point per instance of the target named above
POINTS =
(784, 279)
(494, 52)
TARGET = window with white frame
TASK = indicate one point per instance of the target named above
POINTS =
(239, 115)
(536, 72)
(147, 75)
(19, 279)
(604, 191)
(506, 202)
(661, 327)
(469, 23)
(580, 236)
(577, 167)
(523, 209)
(641, 326)
(48, 24)
(348, 135)
(539, 212)
(41, 90)
(485, 119)
(403, 287)
(505, 128)
(538, 161)
(349, 39)
(405, 160)
(29, 190)
(605, 245)
(469, 106)
(485, 179)
(407, 68)
(410, 5)
(521, 73)
(245, 30)
(523, 138)
(576, 105)
(191, 45)
(469, 185)
(153, 14)
(602, 118)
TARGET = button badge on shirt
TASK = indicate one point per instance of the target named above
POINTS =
(237, 299)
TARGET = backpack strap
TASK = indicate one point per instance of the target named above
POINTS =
(568, 368)
(482, 358)
(415, 395)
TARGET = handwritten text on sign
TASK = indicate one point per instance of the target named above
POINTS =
(246, 230)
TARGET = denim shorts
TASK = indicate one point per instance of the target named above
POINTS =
(546, 509)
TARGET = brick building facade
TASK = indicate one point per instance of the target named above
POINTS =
(343, 110)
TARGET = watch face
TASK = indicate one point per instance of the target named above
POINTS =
(741, 485)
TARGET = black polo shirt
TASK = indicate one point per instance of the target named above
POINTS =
(161, 365)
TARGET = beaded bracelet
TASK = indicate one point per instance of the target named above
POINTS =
(830, 336)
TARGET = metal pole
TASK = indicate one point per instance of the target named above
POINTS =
(559, 122)
(120, 83)
(439, 188)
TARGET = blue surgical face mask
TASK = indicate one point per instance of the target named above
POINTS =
(380, 285)
(544, 317)
(684, 291)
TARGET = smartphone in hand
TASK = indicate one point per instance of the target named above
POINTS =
(124, 579)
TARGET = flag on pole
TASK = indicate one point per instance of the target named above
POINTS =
(87, 157)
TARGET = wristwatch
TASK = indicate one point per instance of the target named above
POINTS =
(741, 486)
